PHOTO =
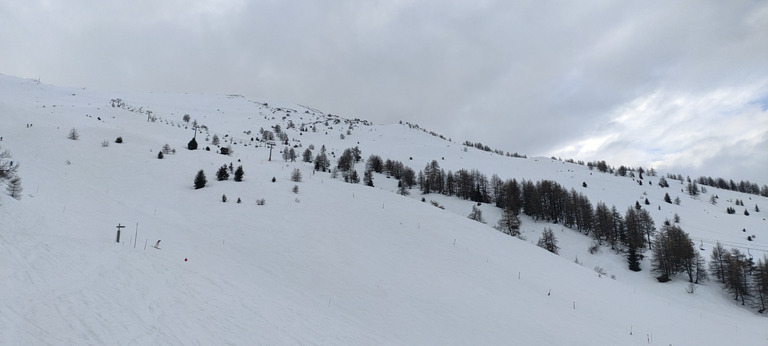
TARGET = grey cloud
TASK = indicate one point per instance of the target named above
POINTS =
(530, 77)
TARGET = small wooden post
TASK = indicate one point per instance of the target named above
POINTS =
(118, 231)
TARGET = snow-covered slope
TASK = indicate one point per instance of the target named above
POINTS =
(335, 263)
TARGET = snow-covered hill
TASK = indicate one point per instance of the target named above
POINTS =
(334, 263)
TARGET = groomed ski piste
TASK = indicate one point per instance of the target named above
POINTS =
(331, 264)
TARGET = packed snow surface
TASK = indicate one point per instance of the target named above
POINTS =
(334, 263)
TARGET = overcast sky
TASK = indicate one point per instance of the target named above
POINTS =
(675, 85)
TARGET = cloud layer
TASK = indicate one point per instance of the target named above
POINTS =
(675, 85)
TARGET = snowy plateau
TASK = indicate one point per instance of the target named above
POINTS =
(328, 262)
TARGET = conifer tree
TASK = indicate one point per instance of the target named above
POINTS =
(307, 155)
(200, 180)
(717, 264)
(737, 280)
(354, 178)
(509, 223)
(239, 173)
(296, 175)
(633, 259)
(368, 178)
(73, 134)
(548, 241)
(222, 174)
(760, 279)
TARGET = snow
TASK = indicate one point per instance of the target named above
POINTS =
(335, 263)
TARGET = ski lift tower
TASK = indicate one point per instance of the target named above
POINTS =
(271, 145)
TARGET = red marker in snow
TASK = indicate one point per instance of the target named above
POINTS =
(185, 260)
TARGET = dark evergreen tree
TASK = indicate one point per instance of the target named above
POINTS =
(408, 177)
(737, 280)
(322, 163)
(760, 280)
(368, 178)
(222, 174)
(200, 180)
(159, 154)
(603, 223)
(239, 173)
(548, 241)
(307, 155)
(635, 228)
(192, 145)
(633, 259)
(717, 262)
(692, 189)
(354, 178)
(509, 223)
(375, 163)
(346, 160)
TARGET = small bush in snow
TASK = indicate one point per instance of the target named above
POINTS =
(296, 175)
(73, 134)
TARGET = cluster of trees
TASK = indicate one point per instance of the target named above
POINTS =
(630, 232)
(322, 162)
(289, 154)
(674, 252)
(744, 186)
(484, 147)
(346, 165)
(741, 186)
(405, 175)
(221, 174)
(744, 278)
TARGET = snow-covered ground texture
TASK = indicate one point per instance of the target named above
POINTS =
(335, 263)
